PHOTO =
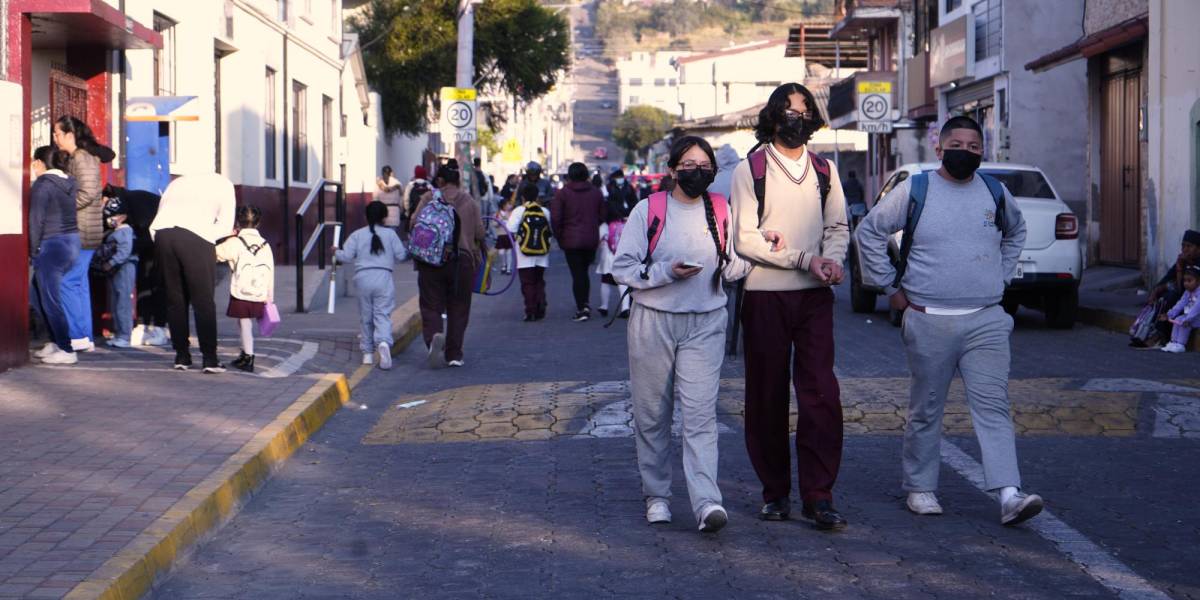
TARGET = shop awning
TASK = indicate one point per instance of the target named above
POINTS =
(1096, 43)
(94, 23)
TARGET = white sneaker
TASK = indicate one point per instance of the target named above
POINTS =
(658, 512)
(1020, 508)
(713, 518)
(119, 343)
(1174, 348)
(437, 351)
(82, 345)
(155, 336)
(455, 363)
(385, 356)
(368, 358)
(923, 503)
(61, 358)
(47, 350)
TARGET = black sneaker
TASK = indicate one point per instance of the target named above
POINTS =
(582, 315)
(528, 318)
(624, 314)
(604, 312)
(213, 367)
(240, 360)
(183, 361)
(246, 365)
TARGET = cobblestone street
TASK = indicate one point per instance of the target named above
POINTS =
(516, 477)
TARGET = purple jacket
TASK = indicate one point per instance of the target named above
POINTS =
(578, 211)
(1192, 316)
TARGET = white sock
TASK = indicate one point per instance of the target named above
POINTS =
(1006, 493)
(247, 326)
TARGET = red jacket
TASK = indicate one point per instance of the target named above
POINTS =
(576, 212)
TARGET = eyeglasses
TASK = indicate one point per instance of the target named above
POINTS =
(792, 115)
(688, 165)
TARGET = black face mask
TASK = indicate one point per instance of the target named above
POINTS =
(794, 133)
(693, 182)
(961, 164)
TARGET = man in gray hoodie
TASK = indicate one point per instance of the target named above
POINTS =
(964, 250)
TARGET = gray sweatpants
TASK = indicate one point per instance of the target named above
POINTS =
(376, 301)
(669, 354)
(977, 346)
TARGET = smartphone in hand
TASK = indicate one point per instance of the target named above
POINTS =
(692, 265)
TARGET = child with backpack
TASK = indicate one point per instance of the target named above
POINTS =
(530, 226)
(116, 260)
(610, 236)
(374, 250)
(503, 245)
(252, 279)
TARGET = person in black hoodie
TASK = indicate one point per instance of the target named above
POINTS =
(54, 247)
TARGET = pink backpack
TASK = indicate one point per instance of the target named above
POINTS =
(656, 218)
(614, 234)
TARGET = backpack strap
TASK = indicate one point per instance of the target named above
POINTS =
(997, 189)
(656, 219)
(758, 171)
(721, 212)
(919, 185)
(822, 168)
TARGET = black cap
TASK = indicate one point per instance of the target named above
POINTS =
(1192, 236)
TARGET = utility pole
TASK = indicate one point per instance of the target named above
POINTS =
(464, 77)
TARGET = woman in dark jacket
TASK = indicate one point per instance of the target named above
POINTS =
(54, 246)
(75, 138)
(578, 210)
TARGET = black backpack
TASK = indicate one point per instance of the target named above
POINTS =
(419, 188)
(533, 237)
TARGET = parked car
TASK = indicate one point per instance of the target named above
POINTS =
(1049, 267)
(606, 105)
(600, 153)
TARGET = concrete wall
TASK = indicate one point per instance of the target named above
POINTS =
(648, 67)
(1173, 115)
(1048, 112)
(731, 82)
(1102, 14)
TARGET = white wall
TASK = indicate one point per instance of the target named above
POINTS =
(725, 83)
(649, 68)
(1173, 122)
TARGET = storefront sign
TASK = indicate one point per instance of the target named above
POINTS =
(458, 114)
(875, 106)
(948, 52)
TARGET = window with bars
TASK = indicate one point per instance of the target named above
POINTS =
(269, 135)
(299, 132)
(988, 18)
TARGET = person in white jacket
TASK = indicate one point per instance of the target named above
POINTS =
(252, 282)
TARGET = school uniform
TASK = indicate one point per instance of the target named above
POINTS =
(373, 282)
(531, 269)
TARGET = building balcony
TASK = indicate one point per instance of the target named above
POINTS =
(860, 94)
(857, 17)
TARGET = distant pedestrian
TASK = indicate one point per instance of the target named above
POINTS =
(390, 192)
(116, 261)
(374, 250)
(414, 190)
(445, 272)
(787, 307)
(598, 183)
(76, 139)
(621, 193)
(503, 242)
(195, 212)
(1185, 315)
(140, 209)
(252, 279)
(666, 184)
(530, 225)
(53, 247)
(579, 210)
(727, 161)
(533, 176)
(610, 237)
(962, 253)
(674, 253)
(853, 190)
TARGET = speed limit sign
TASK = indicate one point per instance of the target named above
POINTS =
(875, 106)
(458, 114)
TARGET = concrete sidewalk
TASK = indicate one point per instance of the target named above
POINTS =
(115, 466)
(1111, 297)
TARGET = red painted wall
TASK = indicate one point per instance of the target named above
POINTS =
(14, 269)
(279, 220)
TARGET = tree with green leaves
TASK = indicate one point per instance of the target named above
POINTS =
(641, 125)
(409, 49)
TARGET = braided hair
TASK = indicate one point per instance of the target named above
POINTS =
(376, 213)
(678, 149)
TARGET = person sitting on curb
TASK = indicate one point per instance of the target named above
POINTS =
(964, 251)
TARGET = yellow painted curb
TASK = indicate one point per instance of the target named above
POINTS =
(131, 573)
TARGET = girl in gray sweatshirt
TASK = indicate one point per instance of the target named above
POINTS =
(374, 250)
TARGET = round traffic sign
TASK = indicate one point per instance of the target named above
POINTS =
(875, 107)
(460, 114)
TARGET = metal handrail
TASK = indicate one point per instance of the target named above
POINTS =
(317, 239)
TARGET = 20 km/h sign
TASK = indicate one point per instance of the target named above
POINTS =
(458, 115)
(875, 106)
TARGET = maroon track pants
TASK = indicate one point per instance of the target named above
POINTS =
(533, 289)
(793, 327)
